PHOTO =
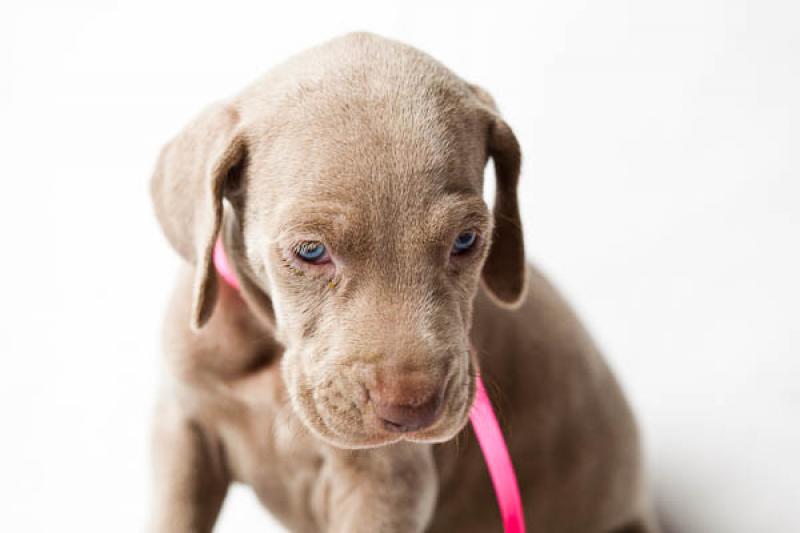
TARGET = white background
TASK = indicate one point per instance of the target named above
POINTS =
(661, 191)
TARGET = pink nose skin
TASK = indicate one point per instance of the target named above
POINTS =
(408, 417)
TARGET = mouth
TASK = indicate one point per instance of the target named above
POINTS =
(455, 413)
(349, 411)
(359, 424)
(411, 417)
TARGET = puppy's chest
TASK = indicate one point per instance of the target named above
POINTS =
(273, 453)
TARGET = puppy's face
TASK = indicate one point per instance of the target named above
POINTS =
(354, 175)
(369, 236)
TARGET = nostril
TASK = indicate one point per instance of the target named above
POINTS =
(404, 418)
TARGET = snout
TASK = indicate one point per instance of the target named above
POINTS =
(407, 403)
(368, 401)
(404, 418)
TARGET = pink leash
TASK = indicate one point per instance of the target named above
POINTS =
(484, 423)
(495, 453)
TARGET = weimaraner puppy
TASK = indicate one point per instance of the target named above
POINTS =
(346, 189)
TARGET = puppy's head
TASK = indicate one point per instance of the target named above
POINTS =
(354, 217)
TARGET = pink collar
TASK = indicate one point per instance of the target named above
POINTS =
(484, 423)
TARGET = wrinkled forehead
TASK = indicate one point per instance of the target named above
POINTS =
(373, 149)
(357, 222)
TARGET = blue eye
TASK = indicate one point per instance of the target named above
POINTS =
(464, 242)
(311, 252)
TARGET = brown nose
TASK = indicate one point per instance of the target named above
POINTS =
(407, 416)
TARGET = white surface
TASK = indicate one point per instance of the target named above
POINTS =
(661, 191)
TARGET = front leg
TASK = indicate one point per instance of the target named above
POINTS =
(390, 489)
(190, 476)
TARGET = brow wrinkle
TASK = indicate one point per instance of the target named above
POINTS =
(323, 218)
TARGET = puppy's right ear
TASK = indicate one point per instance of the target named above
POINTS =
(187, 189)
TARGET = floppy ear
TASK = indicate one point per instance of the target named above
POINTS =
(187, 189)
(505, 272)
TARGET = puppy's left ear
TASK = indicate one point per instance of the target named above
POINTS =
(187, 187)
(505, 272)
